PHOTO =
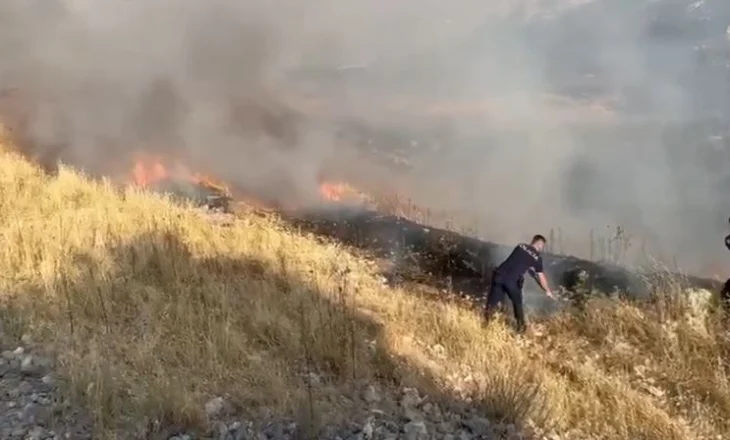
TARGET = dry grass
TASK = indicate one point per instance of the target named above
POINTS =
(153, 309)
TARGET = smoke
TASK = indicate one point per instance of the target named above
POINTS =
(608, 114)
(102, 79)
(525, 115)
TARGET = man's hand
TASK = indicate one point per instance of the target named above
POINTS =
(544, 284)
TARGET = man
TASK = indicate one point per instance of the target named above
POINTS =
(509, 277)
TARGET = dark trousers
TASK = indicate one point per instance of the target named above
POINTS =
(497, 292)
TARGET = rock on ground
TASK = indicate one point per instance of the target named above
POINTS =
(381, 416)
(31, 408)
(30, 405)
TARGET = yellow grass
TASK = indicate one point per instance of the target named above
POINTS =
(153, 309)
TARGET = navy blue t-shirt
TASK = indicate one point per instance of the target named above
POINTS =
(522, 258)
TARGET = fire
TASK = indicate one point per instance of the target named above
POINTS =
(339, 191)
(203, 180)
(149, 170)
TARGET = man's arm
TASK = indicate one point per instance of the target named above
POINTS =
(542, 280)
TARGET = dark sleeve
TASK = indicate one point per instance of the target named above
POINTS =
(538, 265)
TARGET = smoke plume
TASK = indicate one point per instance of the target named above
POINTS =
(525, 115)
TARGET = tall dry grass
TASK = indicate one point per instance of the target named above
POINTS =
(153, 309)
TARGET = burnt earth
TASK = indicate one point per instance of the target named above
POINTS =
(465, 263)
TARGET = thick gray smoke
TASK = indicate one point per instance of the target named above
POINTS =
(604, 114)
(526, 115)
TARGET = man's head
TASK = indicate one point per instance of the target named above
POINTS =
(538, 242)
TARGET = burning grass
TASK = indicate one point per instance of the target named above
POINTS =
(153, 309)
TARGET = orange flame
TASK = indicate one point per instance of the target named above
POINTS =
(149, 170)
(339, 192)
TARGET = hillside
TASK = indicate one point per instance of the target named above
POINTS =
(164, 321)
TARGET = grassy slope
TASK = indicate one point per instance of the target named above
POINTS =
(154, 309)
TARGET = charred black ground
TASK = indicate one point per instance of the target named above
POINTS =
(464, 263)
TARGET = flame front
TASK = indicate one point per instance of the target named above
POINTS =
(149, 170)
(339, 191)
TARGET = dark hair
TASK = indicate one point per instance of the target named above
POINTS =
(539, 237)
